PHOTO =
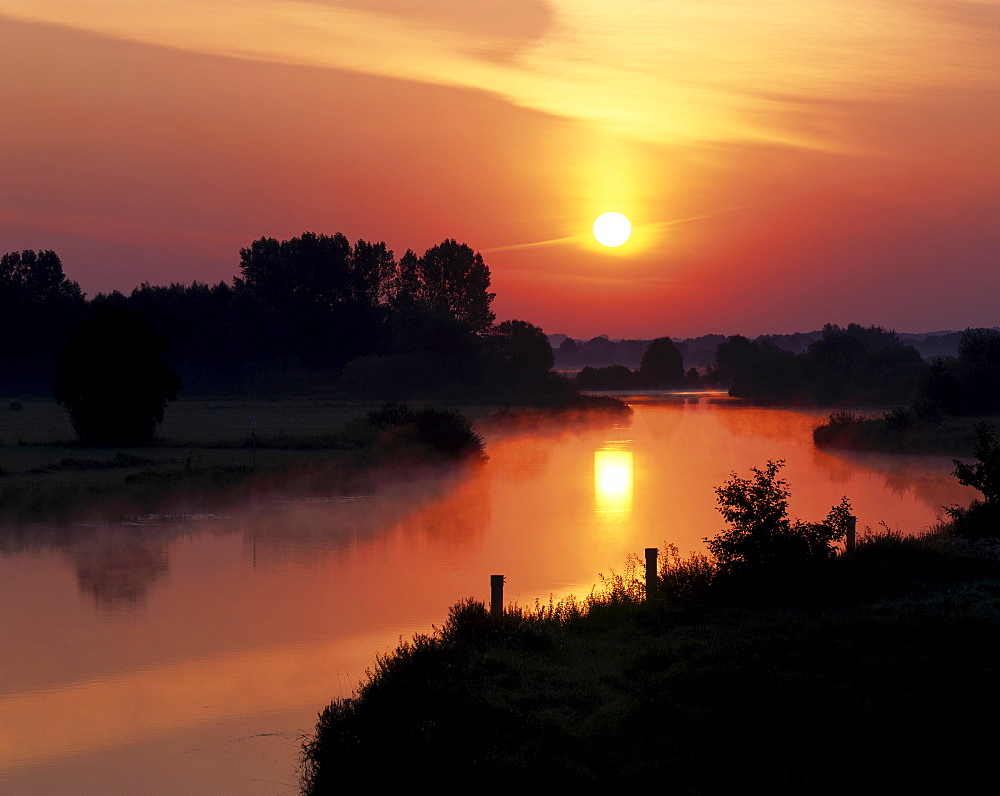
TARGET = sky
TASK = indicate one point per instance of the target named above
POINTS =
(784, 164)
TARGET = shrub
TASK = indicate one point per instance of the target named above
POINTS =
(898, 419)
(761, 536)
(982, 517)
(111, 380)
(444, 431)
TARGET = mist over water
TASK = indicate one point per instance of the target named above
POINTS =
(190, 654)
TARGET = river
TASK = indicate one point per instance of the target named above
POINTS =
(190, 655)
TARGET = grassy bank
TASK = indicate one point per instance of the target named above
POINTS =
(898, 432)
(876, 671)
(207, 455)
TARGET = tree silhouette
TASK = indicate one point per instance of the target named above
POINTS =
(39, 309)
(111, 379)
(662, 364)
(520, 353)
(455, 280)
(761, 535)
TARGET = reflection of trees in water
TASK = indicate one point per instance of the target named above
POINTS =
(447, 502)
(459, 518)
(785, 424)
(119, 573)
(117, 565)
(660, 420)
(927, 478)
(521, 457)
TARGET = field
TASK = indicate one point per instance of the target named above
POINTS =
(203, 451)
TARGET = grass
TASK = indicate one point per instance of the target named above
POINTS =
(952, 435)
(880, 674)
(204, 451)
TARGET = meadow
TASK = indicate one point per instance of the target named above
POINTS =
(207, 454)
(203, 452)
(897, 431)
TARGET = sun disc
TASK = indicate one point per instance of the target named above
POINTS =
(612, 229)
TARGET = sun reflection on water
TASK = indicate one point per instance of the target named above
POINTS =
(613, 485)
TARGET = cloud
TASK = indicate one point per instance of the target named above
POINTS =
(671, 73)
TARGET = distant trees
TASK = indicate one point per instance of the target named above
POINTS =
(39, 309)
(519, 355)
(968, 384)
(111, 378)
(856, 363)
(662, 364)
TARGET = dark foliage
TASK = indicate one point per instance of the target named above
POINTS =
(445, 432)
(982, 517)
(709, 699)
(519, 356)
(39, 311)
(968, 384)
(112, 380)
(455, 281)
(612, 377)
(856, 364)
(761, 537)
(662, 364)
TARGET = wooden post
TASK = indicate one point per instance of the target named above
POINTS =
(651, 578)
(852, 527)
(496, 596)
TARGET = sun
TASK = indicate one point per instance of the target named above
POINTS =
(612, 229)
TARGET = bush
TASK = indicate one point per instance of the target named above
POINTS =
(761, 536)
(443, 431)
(982, 517)
(111, 379)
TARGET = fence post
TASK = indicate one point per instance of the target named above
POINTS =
(852, 527)
(651, 579)
(496, 596)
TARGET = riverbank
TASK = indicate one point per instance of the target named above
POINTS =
(219, 453)
(876, 672)
(898, 431)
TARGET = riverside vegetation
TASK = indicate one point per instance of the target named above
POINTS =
(781, 663)
(208, 456)
(946, 404)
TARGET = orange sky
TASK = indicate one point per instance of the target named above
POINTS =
(784, 164)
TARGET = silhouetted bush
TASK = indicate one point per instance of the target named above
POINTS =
(982, 517)
(444, 431)
(761, 537)
(112, 381)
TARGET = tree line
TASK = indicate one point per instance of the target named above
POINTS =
(311, 312)
(867, 365)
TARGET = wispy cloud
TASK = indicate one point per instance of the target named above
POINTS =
(665, 72)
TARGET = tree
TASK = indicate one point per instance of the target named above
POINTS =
(39, 309)
(36, 277)
(761, 536)
(521, 354)
(979, 368)
(982, 517)
(984, 474)
(454, 280)
(662, 364)
(111, 379)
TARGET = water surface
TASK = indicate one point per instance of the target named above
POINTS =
(172, 656)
